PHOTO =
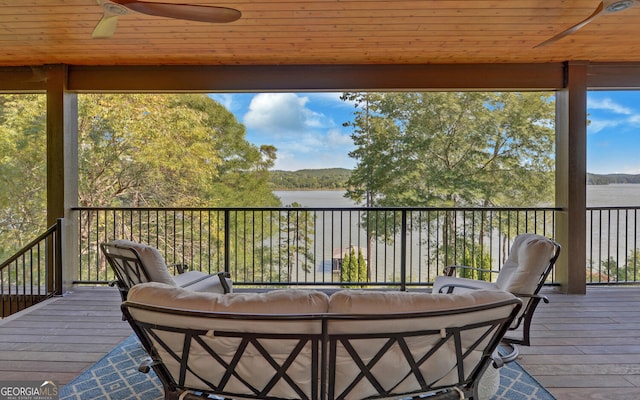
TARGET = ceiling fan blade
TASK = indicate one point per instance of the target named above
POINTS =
(598, 11)
(106, 27)
(189, 12)
(605, 7)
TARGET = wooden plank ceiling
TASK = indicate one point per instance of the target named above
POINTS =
(275, 32)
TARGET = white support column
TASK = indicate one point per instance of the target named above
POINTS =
(571, 179)
(62, 166)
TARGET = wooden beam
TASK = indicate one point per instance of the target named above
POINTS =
(547, 76)
(22, 79)
(62, 165)
(571, 179)
(614, 76)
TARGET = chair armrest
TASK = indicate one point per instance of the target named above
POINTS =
(450, 287)
(182, 268)
(451, 269)
(533, 296)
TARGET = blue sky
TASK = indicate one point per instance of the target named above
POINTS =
(307, 130)
(613, 135)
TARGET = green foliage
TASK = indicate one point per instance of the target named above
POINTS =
(22, 170)
(354, 268)
(134, 150)
(475, 257)
(317, 179)
(453, 149)
(167, 150)
(624, 271)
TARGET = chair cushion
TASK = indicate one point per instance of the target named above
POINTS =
(151, 259)
(530, 255)
(200, 282)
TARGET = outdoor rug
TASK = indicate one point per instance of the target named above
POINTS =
(116, 377)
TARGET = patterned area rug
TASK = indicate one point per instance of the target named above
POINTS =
(116, 377)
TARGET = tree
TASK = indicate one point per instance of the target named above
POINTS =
(167, 150)
(452, 150)
(22, 170)
(354, 268)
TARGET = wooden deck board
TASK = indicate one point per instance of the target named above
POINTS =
(61, 338)
(583, 347)
(586, 347)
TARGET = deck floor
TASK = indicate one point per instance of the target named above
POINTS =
(584, 347)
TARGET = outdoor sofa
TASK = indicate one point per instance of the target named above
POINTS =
(305, 344)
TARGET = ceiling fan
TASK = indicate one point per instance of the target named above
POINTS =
(605, 7)
(115, 8)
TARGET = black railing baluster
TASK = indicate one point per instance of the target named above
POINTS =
(403, 251)
(255, 255)
(21, 283)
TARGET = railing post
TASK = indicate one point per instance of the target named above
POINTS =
(58, 257)
(227, 240)
(403, 251)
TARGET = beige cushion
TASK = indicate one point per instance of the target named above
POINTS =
(201, 282)
(372, 302)
(251, 366)
(285, 301)
(529, 256)
(391, 370)
(151, 259)
(156, 267)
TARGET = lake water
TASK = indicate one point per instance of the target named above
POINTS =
(597, 196)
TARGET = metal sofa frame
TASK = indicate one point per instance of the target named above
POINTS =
(323, 348)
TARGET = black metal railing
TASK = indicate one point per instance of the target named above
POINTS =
(33, 274)
(613, 245)
(340, 247)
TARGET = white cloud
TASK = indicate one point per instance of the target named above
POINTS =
(607, 113)
(280, 114)
(336, 139)
(608, 105)
(302, 127)
(598, 125)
